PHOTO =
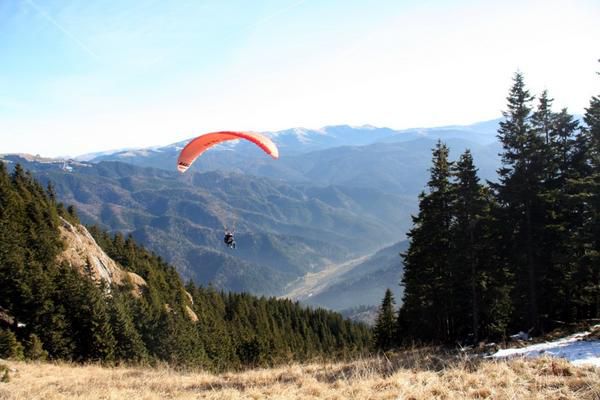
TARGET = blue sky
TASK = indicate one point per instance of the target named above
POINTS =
(83, 76)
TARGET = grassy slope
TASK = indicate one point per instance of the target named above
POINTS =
(413, 376)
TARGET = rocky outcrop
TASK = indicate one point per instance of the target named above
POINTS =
(188, 310)
(83, 253)
(191, 314)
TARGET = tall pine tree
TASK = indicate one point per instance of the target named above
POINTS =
(480, 283)
(428, 298)
(519, 190)
(589, 232)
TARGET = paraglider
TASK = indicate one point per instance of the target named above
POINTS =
(199, 145)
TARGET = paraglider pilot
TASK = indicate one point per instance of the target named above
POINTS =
(228, 239)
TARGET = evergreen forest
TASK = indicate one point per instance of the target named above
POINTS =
(519, 253)
(49, 310)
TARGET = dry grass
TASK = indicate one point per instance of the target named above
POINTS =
(407, 376)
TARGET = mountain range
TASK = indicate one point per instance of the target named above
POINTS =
(329, 208)
(334, 155)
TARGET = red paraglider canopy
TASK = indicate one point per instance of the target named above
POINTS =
(200, 144)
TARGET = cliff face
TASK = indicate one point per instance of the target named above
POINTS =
(83, 253)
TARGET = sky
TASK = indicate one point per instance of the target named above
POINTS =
(85, 76)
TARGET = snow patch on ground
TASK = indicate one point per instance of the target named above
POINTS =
(573, 348)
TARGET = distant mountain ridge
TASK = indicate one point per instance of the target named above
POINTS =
(296, 141)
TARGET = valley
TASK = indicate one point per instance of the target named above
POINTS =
(305, 224)
(314, 282)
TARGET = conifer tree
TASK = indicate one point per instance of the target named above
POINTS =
(469, 210)
(562, 216)
(589, 232)
(10, 347)
(519, 192)
(428, 297)
(384, 332)
(34, 349)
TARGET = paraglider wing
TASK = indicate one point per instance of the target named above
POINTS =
(198, 145)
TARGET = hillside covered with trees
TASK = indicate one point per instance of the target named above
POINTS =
(50, 310)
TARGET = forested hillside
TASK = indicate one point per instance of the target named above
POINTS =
(48, 309)
(521, 253)
(284, 230)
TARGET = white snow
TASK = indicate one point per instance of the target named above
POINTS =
(134, 153)
(365, 127)
(91, 156)
(573, 348)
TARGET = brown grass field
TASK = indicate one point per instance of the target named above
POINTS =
(427, 377)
